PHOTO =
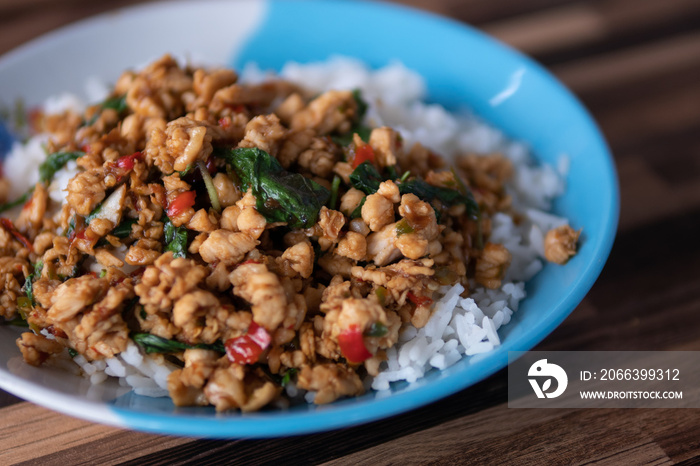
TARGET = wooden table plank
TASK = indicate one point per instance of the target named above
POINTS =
(65, 439)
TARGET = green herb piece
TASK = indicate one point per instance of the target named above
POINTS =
(123, 230)
(155, 344)
(24, 306)
(17, 202)
(357, 213)
(92, 215)
(405, 176)
(380, 292)
(55, 162)
(446, 276)
(186, 171)
(366, 178)
(103, 273)
(334, 192)
(363, 131)
(72, 353)
(209, 183)
(115, 103)
(175, 238)
(448, 197)
(71, 227)
(287, 377)
(280, 196)
(377, 329)
(28, 287)
(110, 208)
(346, 138)
(361, 104)
(403, 227)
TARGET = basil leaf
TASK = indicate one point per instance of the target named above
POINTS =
(346, 138)
(123, 230)
(280, 196)
(92, 215)
(71, 227)
(17, 202)
(366, 178)
(363, 131)
(155, 344)
(28, 287)
(377, 329)
(361, 104)
(357, 213)
(335, 186)
(115, 103)
(446, 196)
(175, 238)
(287, 377)
(54, 163)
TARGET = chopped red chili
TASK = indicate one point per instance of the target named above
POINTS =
(364, 153)
(9, 226)
(247, 348)
(127, 162)
(352, 345)
(182, 202)
(419, 300)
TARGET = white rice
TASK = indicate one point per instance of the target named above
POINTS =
(459, 326)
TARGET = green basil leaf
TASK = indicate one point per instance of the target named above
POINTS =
(155, 344)
(377, 329)
(54, 163)
(357, 213)
(17, 202)
(361, 104)
(363, 131)
(280, 196)
(346, 138)
(123, 230)
(287, 377)
(175, 238)
(446, 196)
(366, 178)
(116, 103)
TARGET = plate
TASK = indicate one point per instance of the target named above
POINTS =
(461, 66)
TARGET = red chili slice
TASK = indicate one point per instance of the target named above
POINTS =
(127, 162)
(182, 202)
(419, 300)
(247, 348)
(364, 153)
(352, 344)
(9, 226)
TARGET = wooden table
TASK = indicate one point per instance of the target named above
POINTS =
(636, 65)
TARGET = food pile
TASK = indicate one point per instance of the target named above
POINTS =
(252, 235)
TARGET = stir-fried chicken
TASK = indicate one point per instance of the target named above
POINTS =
(249, 231)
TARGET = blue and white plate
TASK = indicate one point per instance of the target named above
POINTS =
(461, 66)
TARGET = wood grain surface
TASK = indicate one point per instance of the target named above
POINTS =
(636, 65)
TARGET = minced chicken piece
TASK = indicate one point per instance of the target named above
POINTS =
(560, 244)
